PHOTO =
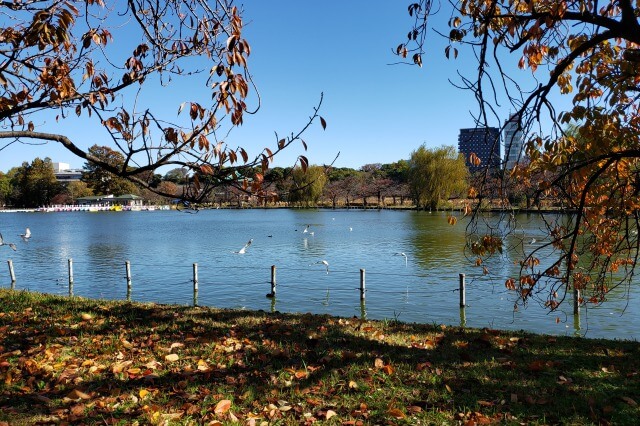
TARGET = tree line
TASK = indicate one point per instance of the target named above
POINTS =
(426, 180)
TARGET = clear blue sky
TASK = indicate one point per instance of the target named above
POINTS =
(376, 112)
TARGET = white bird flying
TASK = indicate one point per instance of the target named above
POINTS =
(243, 250)
(11, 245)
(325, 263)
(27, 234)
(404, 255)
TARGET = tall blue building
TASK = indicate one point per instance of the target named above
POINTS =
(513, 142)
(484, 142)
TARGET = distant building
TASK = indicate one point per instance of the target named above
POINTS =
(111, 200)
(513, 142)
(65, 174)
(484, 142)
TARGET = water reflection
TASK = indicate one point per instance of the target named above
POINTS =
(162, 246)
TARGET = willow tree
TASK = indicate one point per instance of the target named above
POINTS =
(584, 51)
(307, 185)
(435, 175)
(100, 60)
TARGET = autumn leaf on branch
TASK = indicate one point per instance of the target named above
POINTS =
(580, 125)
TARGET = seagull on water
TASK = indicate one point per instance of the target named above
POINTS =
(306, 229)
(325, 263)
(404, 255)
(243, 250)
(27, 234)
(13, 246)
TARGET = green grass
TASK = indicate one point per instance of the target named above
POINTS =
(101, 362)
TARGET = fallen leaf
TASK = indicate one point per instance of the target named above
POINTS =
(394, 412)
(222, 406)
(119, 367)
(378, 363)
(171, 357)
(86, 317)
(143, 393)
(536, 366)
(77, 394)
(353, 385)
(629, 401)
(331, 413)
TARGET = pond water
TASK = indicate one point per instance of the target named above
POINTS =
(162, 247)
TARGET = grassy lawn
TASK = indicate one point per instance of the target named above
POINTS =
(84, 361)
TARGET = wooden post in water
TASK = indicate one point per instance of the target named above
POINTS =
(463, 296)
(576, 301)
(12, 274)
(195, 284)
(273, 282)
(127, 266)
(362, 284)
(70, 277)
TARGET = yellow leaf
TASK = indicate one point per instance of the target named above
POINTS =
(143, 393)
(86, 317)
(222, 406)
(353, 385)
(379, 363)
(331, 413)
(171, 357)
(119, 367)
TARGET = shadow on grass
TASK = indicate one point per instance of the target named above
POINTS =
(295, 368)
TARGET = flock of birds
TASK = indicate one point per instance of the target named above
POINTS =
(306, 230)
(25, 237)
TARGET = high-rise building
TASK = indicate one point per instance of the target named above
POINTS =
(513, 142)
(484, 142)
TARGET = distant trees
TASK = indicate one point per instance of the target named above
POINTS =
(33, 184)
(5, 189)
(179, 175)
(101, 181)
(371, 185)
(435, 174)
(307, 185)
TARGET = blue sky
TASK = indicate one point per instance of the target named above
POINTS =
(376, 112)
